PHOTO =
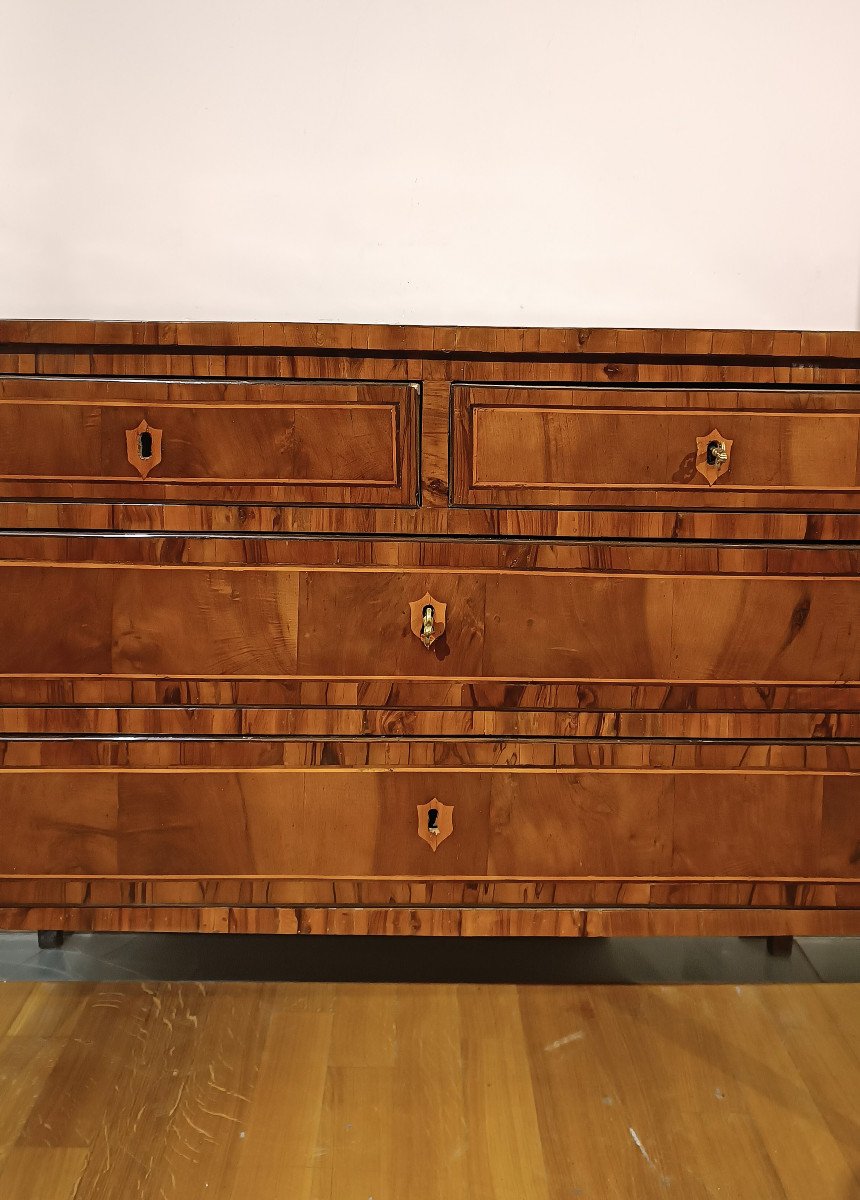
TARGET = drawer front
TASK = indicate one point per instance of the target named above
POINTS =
(343, 823)
(291, 443)
(565, 447)
(272, 622)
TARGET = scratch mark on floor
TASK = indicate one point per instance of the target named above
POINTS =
(640, 1147)
(564, 1041)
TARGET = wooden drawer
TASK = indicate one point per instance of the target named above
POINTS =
(289, 443)
(373, 823)
(580, 447)
(275, 622)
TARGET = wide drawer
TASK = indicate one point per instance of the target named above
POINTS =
(356, 622)
(581, 447)
(514, 823)
(290, 443)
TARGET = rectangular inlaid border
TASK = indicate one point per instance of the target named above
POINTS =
(469, 400)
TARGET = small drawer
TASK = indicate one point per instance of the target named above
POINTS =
(557, 447)
(391, 823)
(286, 443)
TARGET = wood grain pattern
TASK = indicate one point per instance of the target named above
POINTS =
(308, 363)
(431, 520)
(637, 735)
(431, 1091)
(285, 442)
(468, 921)
(145, 754)
(555, 446)
(476, 556)
(556, 625)
(340, 823)
(719, 707)
(494, 340)
(75, 893)
(135, 623)
(454, 724)
(435, 358)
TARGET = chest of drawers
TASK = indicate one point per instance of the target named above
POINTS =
(352, 629)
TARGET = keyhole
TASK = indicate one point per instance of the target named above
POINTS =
(144, 445)
(433, 820)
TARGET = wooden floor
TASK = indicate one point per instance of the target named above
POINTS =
(412, 1092)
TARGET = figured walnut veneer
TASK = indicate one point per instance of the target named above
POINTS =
(604, 446)
(520, 824)
(249, 622)
(640, 708)
(285, 442)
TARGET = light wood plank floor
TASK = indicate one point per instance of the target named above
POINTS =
(428, 1092)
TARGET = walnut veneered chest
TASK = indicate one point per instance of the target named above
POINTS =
(312, 628)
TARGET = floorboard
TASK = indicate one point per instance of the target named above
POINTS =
(403, 1091)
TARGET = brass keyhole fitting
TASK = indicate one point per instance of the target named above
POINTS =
(427, 619)
(713, 454)
(427, 625)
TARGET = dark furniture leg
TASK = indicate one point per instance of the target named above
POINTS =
(780, 947)
(50, 939)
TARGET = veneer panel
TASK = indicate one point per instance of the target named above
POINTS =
(444, 922)
(342, 823)
(557, 447)
(286, 443)
(355, 624)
